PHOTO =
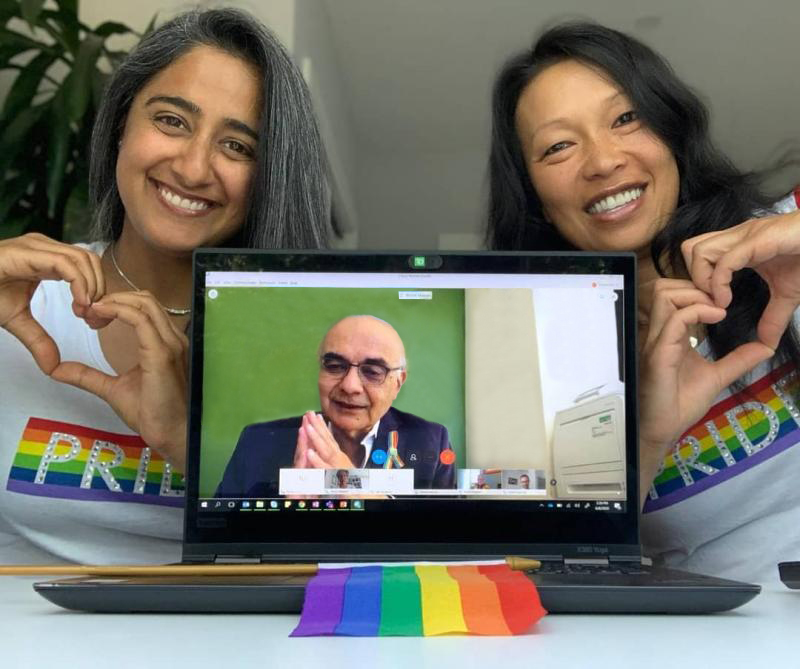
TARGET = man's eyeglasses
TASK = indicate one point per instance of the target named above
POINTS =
(371, 373)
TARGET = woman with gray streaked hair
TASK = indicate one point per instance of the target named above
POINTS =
(205, 137)
(287, 201)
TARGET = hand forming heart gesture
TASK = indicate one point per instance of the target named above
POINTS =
(151, 397)
(678, 385)
(770, 246)
(27, 260)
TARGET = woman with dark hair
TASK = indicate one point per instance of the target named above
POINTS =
(205, 137)
(597, 145)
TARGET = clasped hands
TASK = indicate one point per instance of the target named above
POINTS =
(678, 385)
(316, 446)
(151, 397)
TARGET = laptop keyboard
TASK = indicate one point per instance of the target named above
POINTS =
(618, 568)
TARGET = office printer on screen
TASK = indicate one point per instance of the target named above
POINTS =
(589, 445)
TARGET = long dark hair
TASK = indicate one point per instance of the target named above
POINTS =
(288, 202)
(713, 194)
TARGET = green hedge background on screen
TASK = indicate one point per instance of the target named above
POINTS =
(260, 351)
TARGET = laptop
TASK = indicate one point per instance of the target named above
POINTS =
(506, 426)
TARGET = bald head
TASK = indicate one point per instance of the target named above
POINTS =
(368, 329)
(355, 401)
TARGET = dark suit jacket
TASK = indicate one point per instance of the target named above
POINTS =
(264, 448)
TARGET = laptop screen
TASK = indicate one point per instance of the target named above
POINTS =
(395, 398)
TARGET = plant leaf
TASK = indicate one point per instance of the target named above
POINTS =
(111, 28)
(8, 10)
(115, 57)
(22, 131)
(13, 43)
(31, 10)
(20, 125)
(60, 17)
(57, 155)
(13, 190)
(63, 27)
(150, 25)
(70, 6)
(64, 37)
(76, 214)
(15, 227)
(25, 87)
(78, 85)
(6, 54)
(99, 82)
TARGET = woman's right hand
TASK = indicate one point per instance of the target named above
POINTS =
(151, 397)
(677, 384)
(27, 260)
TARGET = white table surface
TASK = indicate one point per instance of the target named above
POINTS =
(763, 634)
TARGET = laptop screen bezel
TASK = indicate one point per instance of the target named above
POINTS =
(435, 527)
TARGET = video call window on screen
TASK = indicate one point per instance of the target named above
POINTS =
(517, 482)
(506, 386)
(346, 481)
(470, 482)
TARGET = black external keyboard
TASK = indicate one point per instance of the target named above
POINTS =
(790, 574)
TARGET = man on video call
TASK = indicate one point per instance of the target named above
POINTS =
(362, 368)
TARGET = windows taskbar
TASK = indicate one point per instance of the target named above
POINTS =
(227, 505)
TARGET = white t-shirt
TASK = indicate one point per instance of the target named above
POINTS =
(75, 482)
(726, 501)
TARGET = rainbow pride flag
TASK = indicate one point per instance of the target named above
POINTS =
(419, 600)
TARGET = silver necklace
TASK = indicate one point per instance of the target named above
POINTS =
(169, 310)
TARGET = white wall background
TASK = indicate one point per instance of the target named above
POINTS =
(408, 200)
(315, 53)
(577, 334)
(530, 354)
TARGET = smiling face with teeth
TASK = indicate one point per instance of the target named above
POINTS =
(605, 181)
(188, 153)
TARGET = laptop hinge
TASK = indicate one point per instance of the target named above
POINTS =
(198, 559)
(236, 559)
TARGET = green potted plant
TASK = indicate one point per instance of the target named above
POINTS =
(46, 120)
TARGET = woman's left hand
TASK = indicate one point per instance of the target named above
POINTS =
(770, 246)
(151, 398)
